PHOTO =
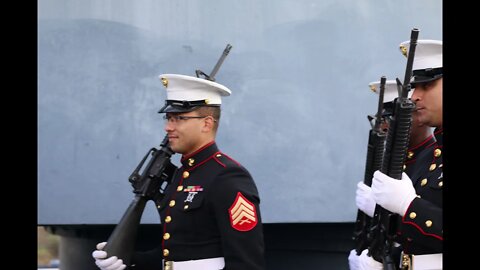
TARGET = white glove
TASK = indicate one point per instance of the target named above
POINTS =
(364, 199)
(392, 194)
(353, 260)
(366, 262)
(112, 263)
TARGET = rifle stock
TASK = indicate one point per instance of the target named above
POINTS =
(150, 185)
(121, 242)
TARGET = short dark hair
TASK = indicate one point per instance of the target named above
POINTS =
(213, 111)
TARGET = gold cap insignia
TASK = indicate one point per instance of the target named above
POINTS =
(404, 50)
(164, 81)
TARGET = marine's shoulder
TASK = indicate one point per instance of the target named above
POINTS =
(226, 161)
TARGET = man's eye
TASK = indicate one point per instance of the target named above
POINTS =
(171, 117)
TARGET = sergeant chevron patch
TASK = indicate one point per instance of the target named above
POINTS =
(243, 215)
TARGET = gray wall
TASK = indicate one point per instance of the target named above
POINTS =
(299, 72)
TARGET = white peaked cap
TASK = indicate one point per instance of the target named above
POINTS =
(428, 53)
(390, 92)
(185, 93)
(428, 60)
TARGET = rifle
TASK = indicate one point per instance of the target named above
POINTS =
(383, 230)
(211, 77)
(375, 150)
(148, 185)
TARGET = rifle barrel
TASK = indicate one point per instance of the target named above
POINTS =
(220, 62)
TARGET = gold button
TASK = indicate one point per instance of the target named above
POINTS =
(171, 203)
(168, 263)
(185, 207)
(437, 152)
(412, 215)
(218, 155)
(207, 101)
(168, 219)
(166, 236)
(166, 252)
(191, 161)
(410, 154)
(179, 188)
(440, 184)
(168, 267)
(433, 166)
(428, 223)
(440, 166)
(423, 182)
(186, 174)
(158, 206)
(404, 166)
(405, 261)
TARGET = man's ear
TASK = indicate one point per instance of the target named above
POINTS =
(209, 123)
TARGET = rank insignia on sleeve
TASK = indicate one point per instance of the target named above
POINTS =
(243, 216)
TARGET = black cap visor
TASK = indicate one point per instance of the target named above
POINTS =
(426, 75)
(175, 109)
(388, 108)
(182, 106)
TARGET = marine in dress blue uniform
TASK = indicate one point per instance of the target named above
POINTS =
(211, 211)
(421, 227)
(418, 198)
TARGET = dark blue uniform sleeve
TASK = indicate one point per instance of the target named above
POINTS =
(236, 205)
(422, 225)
